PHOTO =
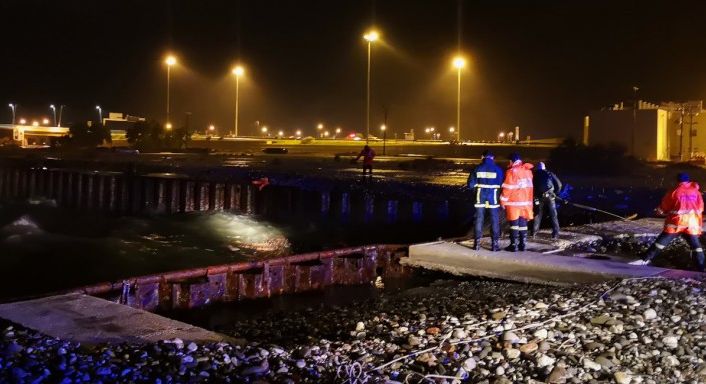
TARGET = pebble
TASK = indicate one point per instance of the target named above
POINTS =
(512, 353)
(622, 377)
(592, 365)
(360, 326)
(541, 333)
(649, 314)
(528, 348)
(671, 342)
(545, 361)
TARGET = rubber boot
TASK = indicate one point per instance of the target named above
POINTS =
(495, 245)
(476, 244)
(513, 242)
(521, 245)
(698, 258)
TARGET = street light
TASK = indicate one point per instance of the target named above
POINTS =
(383, 128)
(237, 71)
(100, 113)
(370, 37)
(501, 135)
(338, 130)
(325, 133)
(35, 123)
(281, 134)
(451, 132)
(12, 106)
(211, 128)
(168, 126)
(45, 121)
(53, 109)
(170, 61)
(299, 133)
(459, 62)
(320, 127)
(264, 131)
(23, 121)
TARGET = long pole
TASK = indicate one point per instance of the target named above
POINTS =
(634, 120)
(53, 109)
(458, 106)
(237, 96)
(61, 111)
(681, 137)
(384, 140)
(691, 132)
(13, 106)
(367, 107)
(169, 70)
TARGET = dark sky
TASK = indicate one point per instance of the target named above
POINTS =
(538, 64)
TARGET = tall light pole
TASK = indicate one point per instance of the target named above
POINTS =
(370, 37)
(53, 109)
(634, 120)
(383, 128)
(12, 106)
(100, 114)
(170, 61)
(61, 112)
(459, 62)
(237, 72)
(320, 127)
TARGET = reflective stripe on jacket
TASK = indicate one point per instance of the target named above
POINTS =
(485, 181)
(517, 192)
(684, 207)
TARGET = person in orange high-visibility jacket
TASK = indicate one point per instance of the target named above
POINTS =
(517, 198)
(683, 207)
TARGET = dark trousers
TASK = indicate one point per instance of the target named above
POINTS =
(518, 229)
(550, 205)
(368, 168)
(494, 214)
(664, 239)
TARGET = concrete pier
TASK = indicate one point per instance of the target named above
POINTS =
(90, 320)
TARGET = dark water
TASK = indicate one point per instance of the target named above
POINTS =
(44, 248)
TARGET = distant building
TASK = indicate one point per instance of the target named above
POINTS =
(119, 123)
(651, 131)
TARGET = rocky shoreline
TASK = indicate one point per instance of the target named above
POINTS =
(634, 331)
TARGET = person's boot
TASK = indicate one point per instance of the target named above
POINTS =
(513, 242)
(555, 235)
(521, 245)
(699, 261)
(476, 244)
(495, 245)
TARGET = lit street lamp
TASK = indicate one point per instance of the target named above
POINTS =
(168, 126)
(451, 132)
(53, 109)
(23, 121)
(459, 62)
(13, 106)
(100, 113)
(45, 121)
(299, 133)
(338, 130)
(237, 71)
(370, 37)
(501, 135)
(35, 123)
(264, 131)
(170, 61)
(383, 128)
(320, 127)
(211, 128)
(281, 134)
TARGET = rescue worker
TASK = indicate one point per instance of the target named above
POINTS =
(517, 200)
(368, 154)
(683, 208)
(485, 181)
(546, 187)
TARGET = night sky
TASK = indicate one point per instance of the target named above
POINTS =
(538, 64)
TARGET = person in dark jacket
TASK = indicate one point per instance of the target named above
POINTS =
(368, 154)
(485, 181)
(546, 187)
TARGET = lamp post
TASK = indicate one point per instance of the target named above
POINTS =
(459, 62)
(299, 133)
(170, 61)
(100, 114)
(383, 128)
(451, 132)
(320, 127)
(237, 71)
(264, 131)
(61, 112)
(338, 130)
(370, 37)
(13, 106)
(53, 109)
(501, 135)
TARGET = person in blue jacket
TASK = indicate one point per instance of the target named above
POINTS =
(485, 181)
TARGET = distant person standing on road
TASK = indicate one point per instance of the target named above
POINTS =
(368, 154)
(683, 207)
(546, 187)
(517, 200)
(485, 181)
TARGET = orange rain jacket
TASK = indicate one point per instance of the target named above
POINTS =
(517, 192)
(684, 207)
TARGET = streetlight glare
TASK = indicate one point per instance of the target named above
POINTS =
(23, 121)
(459, 62)
(211, 127)
(320, 126)
(170, 60)
(168, 126)
(238, 70)
(372, 36)
(383, 127)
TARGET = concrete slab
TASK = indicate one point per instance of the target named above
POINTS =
(528, 266)
(543, 243)
(90, 320)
